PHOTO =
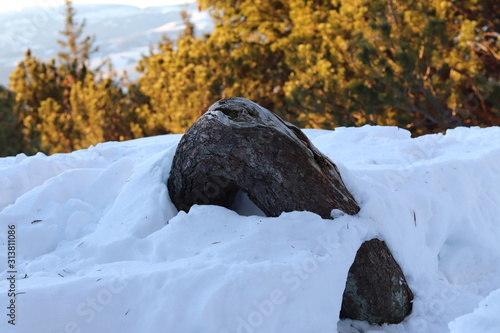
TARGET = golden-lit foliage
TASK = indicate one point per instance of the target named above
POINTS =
(423, 65)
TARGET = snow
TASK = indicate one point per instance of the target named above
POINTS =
(100, 247)
(485, 319)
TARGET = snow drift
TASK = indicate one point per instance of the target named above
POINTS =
(100, 247)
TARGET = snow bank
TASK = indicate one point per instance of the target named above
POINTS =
(100, 247)
(484, 319)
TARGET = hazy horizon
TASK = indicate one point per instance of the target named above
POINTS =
(20, 4)
(122, 34)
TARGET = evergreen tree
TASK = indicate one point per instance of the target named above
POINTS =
(64, 105)
(10, 130)
(77, 49)
(237, 59)
(179, 81)
(32, 82)
(247, 48)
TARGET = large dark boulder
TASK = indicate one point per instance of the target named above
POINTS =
(238, 145)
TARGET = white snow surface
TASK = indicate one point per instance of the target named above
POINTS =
(101, 248)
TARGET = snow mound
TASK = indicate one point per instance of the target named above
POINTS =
(100, 247)
(484, 319)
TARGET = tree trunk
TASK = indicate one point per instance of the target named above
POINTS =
(239, 145)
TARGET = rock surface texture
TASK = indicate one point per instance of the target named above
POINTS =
(238, 145)
(376, 289)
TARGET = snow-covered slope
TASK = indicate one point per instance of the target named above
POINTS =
(100, 247)
(122, 32)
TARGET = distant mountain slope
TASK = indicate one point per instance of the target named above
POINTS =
(122, 32)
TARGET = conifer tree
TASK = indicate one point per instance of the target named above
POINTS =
(32, 82)
(77, 48)
(247, 47)
(10, 130)
(237, 59)
(179, 81)
(65, 105)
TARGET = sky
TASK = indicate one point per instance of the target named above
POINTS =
(18, 4)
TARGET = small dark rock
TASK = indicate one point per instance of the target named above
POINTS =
(376, 289)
